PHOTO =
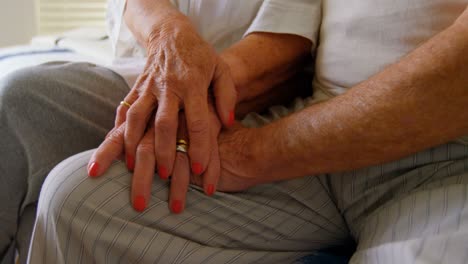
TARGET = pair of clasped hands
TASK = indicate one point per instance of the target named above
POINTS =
(185, 92)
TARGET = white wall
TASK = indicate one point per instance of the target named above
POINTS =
(17, 21)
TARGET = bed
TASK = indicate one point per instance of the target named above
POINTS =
(80, 45)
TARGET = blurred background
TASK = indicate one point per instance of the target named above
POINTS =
(21, 20)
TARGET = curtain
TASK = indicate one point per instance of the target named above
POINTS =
(59, 15)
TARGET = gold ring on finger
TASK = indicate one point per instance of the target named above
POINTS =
(125, 103)
(182, 142)
(182, 148)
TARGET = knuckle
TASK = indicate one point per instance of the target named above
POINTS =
(165, 126)
(116, 137)
(134, 114)
(145, 148)
(198, 126)
(223, 67)
(198, 96)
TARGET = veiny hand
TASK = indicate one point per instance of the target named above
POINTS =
(241, 165)
(235, 164)
(181, 67)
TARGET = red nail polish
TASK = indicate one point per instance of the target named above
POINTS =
(139, 203)
(162, 171)
(197, 168)
(93, 170)
(210, 189)
(176, 206)
(130, 162)
(231, 118)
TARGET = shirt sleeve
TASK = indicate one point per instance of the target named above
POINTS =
(123, 43)
(297, 17)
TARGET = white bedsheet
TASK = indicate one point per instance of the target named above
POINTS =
(80, 45)
(17, 57)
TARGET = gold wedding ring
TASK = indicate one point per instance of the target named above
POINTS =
(126, 104)
(182, 146)
(182, 142)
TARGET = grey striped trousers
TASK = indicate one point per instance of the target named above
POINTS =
(408, 211)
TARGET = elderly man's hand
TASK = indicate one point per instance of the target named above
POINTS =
(234, 166)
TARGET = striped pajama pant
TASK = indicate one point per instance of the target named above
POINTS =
(408, 211)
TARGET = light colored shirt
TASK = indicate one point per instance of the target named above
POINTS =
(359, 38)
(353, 39)
(220, 22)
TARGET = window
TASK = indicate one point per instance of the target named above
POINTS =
(60, 15)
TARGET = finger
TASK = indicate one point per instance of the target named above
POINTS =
(121, 155)
(137, 121)
(144, 172)
(181, 176)
(165, 124)
(107, 152)
(196, 111)
(225, 94)
(213, 171)
(179, 183)
(110, 132)
(131, 97)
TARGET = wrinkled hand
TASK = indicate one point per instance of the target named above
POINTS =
(235, 161)
(232, 167)
(241, 165)
(181, 67)
(142, 180)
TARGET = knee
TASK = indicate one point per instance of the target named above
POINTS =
(63, 187)
(17, 87)
(68, 192)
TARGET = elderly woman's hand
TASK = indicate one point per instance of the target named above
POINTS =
(180, 69)
(142, 180)
(233, 166)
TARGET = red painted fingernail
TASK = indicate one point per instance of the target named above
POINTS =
(162, 171)
(197, 168)
(210, 189)
(231, 118)
(93, 170)
(130, 162)
(176, 206)
(139, 204)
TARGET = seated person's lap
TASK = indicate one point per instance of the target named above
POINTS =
(405, 202)
(410, 209)
(291, 218)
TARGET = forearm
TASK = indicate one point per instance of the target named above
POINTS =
(262, 61)
(414, 104)
(143, 17)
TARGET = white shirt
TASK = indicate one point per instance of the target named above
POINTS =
(354, 39)
(219, 22)
(359, 38)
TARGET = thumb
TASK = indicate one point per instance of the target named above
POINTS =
(225, 94)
